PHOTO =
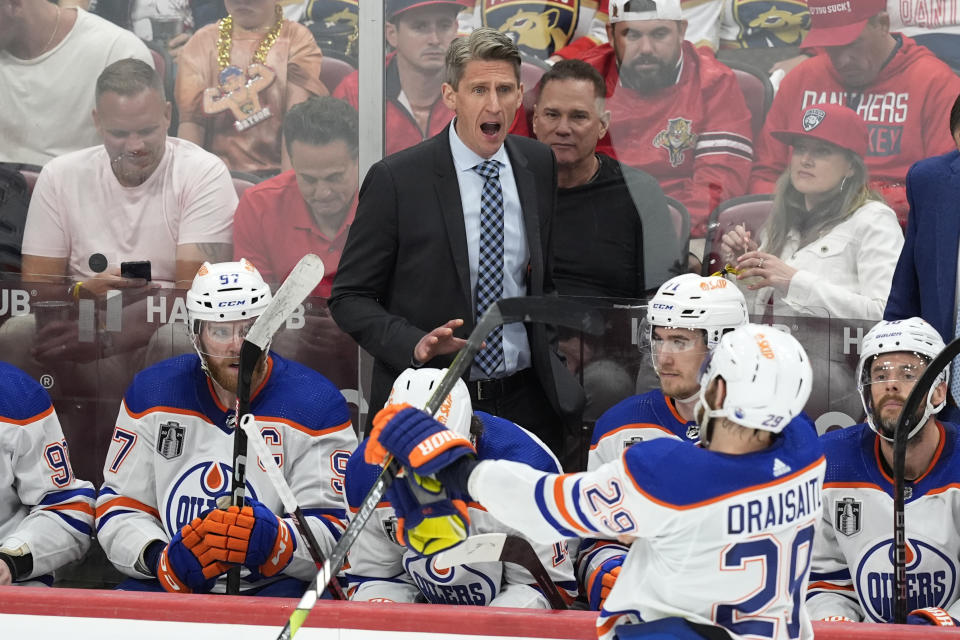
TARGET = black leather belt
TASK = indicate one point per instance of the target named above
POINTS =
(496, 388)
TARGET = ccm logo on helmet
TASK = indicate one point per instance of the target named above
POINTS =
(660, 305)
(232, 303)
(437, 440)
(765, 350)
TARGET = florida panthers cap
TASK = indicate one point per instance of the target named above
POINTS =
(833, 123)
(834, 23)
(630, 10)
(396, 7)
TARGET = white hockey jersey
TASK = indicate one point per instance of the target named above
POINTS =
(852, 574)
(172, 457)
(381, 569)
(647, 416)
(42, 504)
(720, 539)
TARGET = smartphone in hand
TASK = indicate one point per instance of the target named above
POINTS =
(136, 269)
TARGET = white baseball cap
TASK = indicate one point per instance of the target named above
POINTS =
(630, 10)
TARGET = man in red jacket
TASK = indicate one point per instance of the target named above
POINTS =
(676, 112)
(899, 88)
(419, 33)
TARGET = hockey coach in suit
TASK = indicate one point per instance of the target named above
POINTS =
(925, 280)
(445, 228)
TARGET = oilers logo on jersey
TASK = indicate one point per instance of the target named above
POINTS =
(466, 584)
(931, 578)
(170, 440)
(195, 491)
(847, 516)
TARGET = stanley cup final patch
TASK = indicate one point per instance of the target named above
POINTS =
(847, 516)
(170, 440)
(812, 119)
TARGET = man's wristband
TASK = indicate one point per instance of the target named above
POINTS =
(20, 564)
(149, 557)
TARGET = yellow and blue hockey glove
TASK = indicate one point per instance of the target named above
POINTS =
(417, 440)
(429, 520)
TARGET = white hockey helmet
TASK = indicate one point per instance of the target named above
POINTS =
(913, 335)
(767, 374)
(415, 386)
(689, 301)
(225, 292)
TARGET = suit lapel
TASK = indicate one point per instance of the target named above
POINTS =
(448, 200)
(948, 241)
(527, 190)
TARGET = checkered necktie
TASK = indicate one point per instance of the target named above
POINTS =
(490, 267)
(954, 368)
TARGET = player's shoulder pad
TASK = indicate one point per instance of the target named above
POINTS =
(639, 408)
(504, 440)
(168, 383)
(359, 476)
(298, 393)
(677, 473)
(23, 398)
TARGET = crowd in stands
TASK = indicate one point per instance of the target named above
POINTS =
(192, 133)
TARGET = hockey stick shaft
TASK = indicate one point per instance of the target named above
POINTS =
(904, 424)
(519, 551)
(304, 277)
(290, 504)
(545, 309)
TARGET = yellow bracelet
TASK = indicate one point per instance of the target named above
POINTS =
(75, 290)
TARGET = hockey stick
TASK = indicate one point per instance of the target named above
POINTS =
(544, 309)
(500, 547)
(290, 504)
(904, 425)
(306, 275)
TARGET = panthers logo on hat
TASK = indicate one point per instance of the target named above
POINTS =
(536, 29)
(812, 119)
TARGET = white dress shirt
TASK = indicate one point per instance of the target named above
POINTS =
(516, 256)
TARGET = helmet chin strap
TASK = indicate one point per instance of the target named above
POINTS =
(704, 415)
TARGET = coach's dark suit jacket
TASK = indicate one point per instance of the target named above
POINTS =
(405, 268)
(925, 280)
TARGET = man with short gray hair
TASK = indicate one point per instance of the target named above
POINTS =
(446, 228)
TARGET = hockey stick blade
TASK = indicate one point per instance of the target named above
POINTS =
(483, 547)
(546, 309)
(904, 424)
(304, 277)
(499, 547)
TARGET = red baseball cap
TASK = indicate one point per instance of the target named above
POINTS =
(833, 123)
(396, 7)
(834, 23)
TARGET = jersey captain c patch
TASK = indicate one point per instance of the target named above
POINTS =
(170, 440)
(847, 516)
